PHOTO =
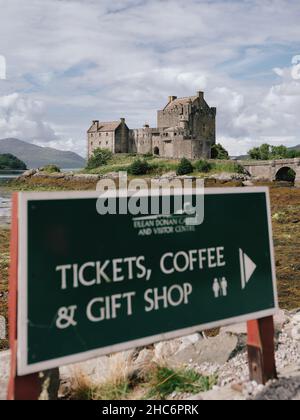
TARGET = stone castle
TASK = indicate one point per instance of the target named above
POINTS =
(186, 127)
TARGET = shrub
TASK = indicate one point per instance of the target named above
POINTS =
(219, 152)
(239, 169)
(50, 169)
(9, 161)
(139, 167)
(185, 167)
(148, 156)
(203, 166)
(100, 157)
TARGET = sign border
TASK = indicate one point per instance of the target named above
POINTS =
(23, 368)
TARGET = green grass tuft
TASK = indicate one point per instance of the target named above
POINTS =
(164, 381)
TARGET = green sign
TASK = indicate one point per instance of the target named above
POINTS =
(93, 284)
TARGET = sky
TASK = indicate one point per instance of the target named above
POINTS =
(64, 63)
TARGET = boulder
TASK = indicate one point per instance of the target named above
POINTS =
(165, 349)
(169, 175)
(29, 173)
(295, 333)
(216, 350)
(285, 389)
(95, 369)
(111, 175)
(86, 177)
(144, 359)
(280, 320)
(55, 175)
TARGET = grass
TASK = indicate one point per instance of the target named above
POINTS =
(118, 382)
(84, 390)
(164, 381)
(158, 166)
(48, 184)
(156, 382)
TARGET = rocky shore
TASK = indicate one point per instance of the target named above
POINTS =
(70, 176)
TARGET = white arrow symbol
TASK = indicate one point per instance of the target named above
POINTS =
(247, 268)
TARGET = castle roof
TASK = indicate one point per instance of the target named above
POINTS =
(104, 126)
(180, 102)
(108, 126)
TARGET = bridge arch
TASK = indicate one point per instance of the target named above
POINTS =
(285, 173)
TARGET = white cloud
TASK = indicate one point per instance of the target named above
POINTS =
(22, 117)
(71, 61)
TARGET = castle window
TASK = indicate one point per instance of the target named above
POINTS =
(107, 134)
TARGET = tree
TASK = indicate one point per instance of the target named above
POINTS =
(279, 152)
(185, 167)
(267, 152)
(9, 161)
(219, 152)
(100, 157)
(254, 153)
(260, 153)
(291, 154)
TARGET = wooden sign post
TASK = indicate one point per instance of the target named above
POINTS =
(26, 387)
(261, 350)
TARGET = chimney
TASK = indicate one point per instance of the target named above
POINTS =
(200, 94)
(172, 98)
(97, 123)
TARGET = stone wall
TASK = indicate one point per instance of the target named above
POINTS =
(101, 140)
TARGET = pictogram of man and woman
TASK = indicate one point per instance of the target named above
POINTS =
(220, 287)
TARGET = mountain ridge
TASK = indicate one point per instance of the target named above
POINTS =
(36, 156)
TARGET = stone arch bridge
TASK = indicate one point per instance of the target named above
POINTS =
(272, 170)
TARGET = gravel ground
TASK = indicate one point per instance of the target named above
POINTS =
(235, 372)
(4, 373)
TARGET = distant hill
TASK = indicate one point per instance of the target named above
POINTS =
(37, 156)
(297, 148)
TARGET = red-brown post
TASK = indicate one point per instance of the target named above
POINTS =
(20, 387)
(261, 350)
